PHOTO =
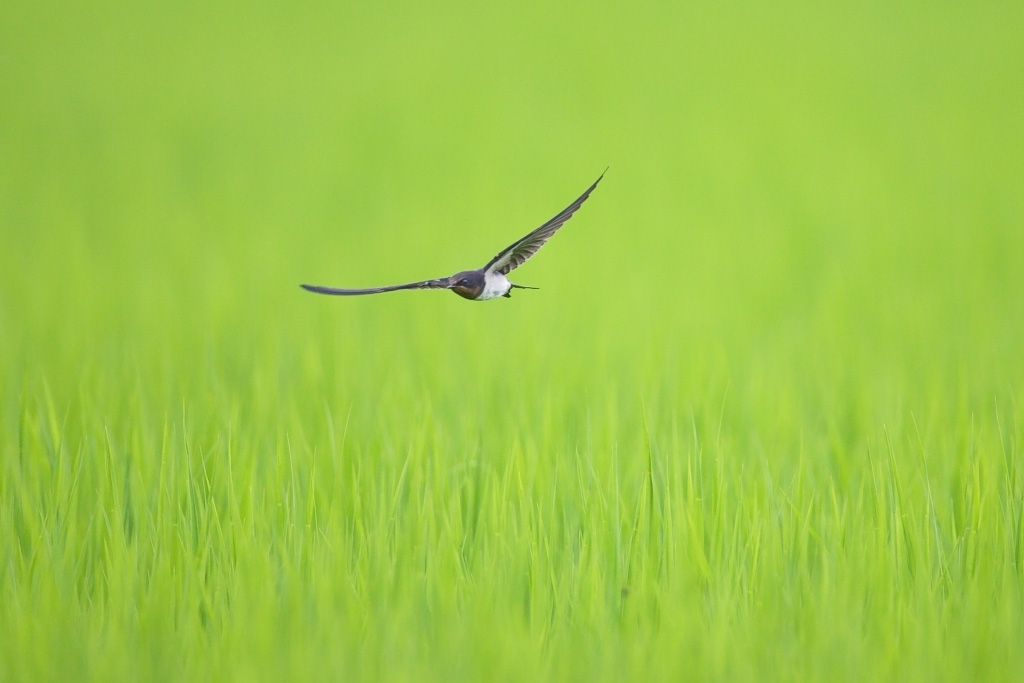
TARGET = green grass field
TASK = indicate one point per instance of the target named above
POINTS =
(761, 421)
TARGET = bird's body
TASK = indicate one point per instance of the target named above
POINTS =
(491, 281)
(481, 286)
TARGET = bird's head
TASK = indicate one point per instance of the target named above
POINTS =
(468, 284)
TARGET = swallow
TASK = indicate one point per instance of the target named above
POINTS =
(488, 282)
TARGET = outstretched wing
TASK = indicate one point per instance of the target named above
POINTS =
(515, 254)
(442, 283)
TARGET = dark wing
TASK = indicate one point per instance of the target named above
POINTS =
(514, 255)
(442, 283)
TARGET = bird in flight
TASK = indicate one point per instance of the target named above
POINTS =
(490, 281)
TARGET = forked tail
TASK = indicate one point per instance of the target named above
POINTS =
(512, 285)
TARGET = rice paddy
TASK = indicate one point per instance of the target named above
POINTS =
(761, 420)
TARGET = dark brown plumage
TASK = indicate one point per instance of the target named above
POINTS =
(515, 254)
(487, 282)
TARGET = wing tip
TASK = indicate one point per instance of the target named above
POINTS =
(586, 194)
(318, 289)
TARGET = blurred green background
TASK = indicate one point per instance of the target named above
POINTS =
(169, 173)
(812, 229)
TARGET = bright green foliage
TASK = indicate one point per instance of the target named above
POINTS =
(761, 421)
